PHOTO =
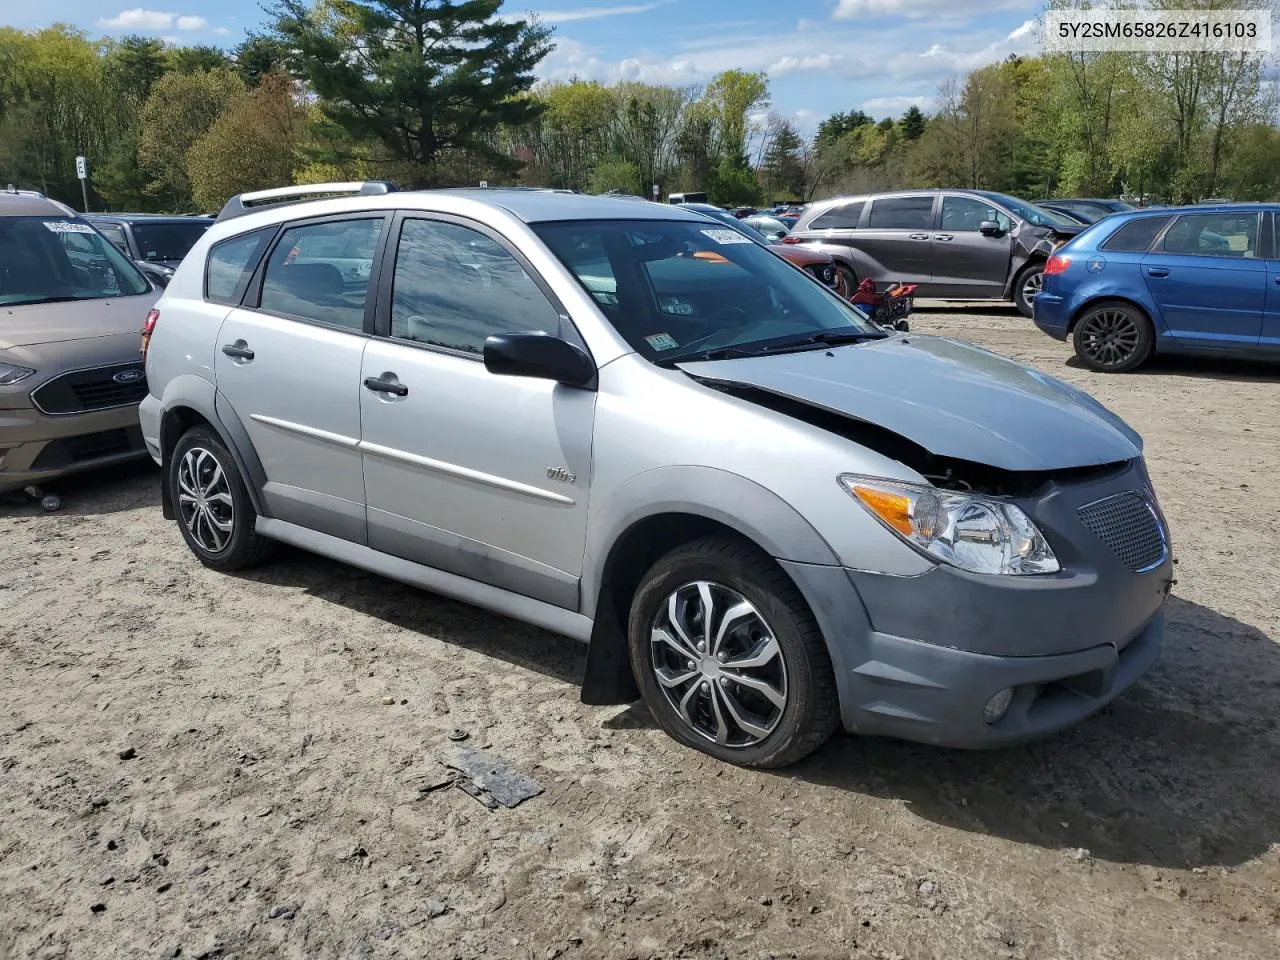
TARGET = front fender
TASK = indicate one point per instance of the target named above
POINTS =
(728, 498)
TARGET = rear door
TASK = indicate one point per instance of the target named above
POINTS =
(288, 363)
(1208, 279)
(894, 241)
(965, 263)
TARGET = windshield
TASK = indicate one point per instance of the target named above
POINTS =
(678, 290)
(50, 259)
(727, 218)
(167, 240)
(1037, 216)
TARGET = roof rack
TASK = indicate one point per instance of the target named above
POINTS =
(14, 191)
(243, 203)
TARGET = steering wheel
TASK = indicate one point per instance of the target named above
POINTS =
(721, 315)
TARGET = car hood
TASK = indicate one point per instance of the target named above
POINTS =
(951, 398)
(28, 326)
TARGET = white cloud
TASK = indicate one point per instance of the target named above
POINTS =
(155, 20)
(919, 9)
(222, 31)
(895, 106)
(590, 13)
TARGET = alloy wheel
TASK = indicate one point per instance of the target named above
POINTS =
(1109, 337)
(204, 500)
(719, 665)
(1032, 286)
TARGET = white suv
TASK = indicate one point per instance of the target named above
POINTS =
(627, 424)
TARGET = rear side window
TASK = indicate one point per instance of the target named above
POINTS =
(230, 264)
(901, 213)
(320, 272)
(843, 217)
(1136, 235)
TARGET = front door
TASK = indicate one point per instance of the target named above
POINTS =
(1208, 280)
(895, 242)
(288, 363)
(965, 263)
(479, 475)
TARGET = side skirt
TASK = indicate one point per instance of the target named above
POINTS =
(544, 615)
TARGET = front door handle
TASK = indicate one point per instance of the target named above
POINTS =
(238, 351)
(1157, 272)
(919, 236)
(943, 236)
(378, 385)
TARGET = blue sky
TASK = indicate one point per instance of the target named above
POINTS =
(822, 56)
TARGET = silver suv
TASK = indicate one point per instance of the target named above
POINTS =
(628, 425)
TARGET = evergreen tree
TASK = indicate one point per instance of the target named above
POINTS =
(913, 123)
(423, 77)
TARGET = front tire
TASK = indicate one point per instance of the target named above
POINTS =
(729, 659)
(1113, 338)
(846, 281)
(215, 515)
(1026, 286)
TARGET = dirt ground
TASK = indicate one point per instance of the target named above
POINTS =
(271, 805)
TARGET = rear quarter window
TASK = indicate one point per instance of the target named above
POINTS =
(231, 263)
(1136, 236)
(842, 217)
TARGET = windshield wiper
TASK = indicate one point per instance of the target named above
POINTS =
(827, 338)
(28, 303)
(716, 353)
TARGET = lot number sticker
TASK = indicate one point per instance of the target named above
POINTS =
(724, 237)
(66, 226)
(662, 341)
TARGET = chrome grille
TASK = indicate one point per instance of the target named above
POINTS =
(1127, 524)
(97, 389)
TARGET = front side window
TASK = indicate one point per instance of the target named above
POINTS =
(167, 240)
(56, 259)
(1213, 235)
(901, 213)
(320, 272)
(454, 287)
(676, 289)
(842, 217)
(961, 214)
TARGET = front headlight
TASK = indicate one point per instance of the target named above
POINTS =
(972, 532)
(11, 373)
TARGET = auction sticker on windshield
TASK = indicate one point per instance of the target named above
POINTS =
(726, 236)
(66, 226)
(662, 341)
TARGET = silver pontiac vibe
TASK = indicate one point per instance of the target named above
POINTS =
(627, 424)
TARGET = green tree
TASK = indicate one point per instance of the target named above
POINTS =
(616, 174)
(197, 59)
(575, 128)
(733, 95)
(250, 146)
(258, 55)
(913, 123)
(134, 65)
(421, 77)
(783, 167)
(838, 124)
(181, 109)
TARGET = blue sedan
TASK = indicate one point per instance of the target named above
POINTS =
(1202, 279)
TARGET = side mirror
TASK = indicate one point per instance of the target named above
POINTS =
(538, 355)
(901, 325)
(989, 228)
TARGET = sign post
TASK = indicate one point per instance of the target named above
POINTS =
(656, 192)
(82, 171)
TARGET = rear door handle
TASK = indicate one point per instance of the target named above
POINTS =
(919, 236)
(1157, 272)
(378, 385)
(943, 236)
(238, 350)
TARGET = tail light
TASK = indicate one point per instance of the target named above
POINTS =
(1056, 264)
(790, 239)
(148, 328)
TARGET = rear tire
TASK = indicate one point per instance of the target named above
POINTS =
(775, 701)
(1026, 285)
(214, 512)
(1113, 338)
(846, 281)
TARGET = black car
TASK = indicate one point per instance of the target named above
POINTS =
(954, 244)
(155, 242)
(1092, 209)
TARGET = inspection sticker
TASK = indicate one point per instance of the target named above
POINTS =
(66, 226)
(723, 237)
(662, 341)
